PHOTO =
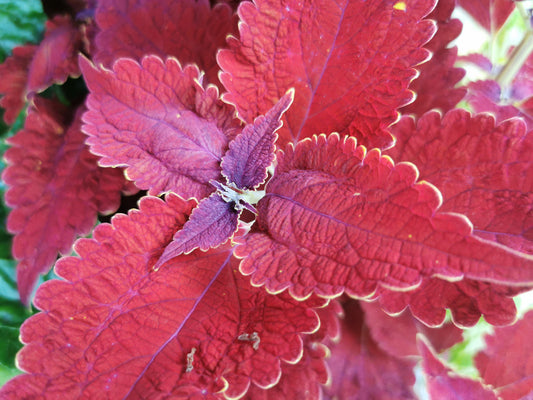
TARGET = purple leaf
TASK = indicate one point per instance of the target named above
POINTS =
(210, 224)
(250, 154)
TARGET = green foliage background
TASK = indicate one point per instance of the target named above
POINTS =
(21, 22)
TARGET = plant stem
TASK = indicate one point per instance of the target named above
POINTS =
(518, 57)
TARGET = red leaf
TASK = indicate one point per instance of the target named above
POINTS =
(299, 381)
(397, 335)
(189, 30)
(14, 72)
(487, 96)
(484, 171)
(158, 120)
(55, 187)
(115, 328)
(34, 68)
(468, 300)
(335, 219)
(435, 87)
(491, 14)
(361, 370)
(56, 57)
(443, 384)
(251, 153)
(507, 362)
(211, 223)
(308, 46)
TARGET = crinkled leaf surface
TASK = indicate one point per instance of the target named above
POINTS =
(484, 170)
(491, 14)
(210, 224)
(303, 380)
(157, 119)
(507, 362)
(116, 329)
(251, 153)
(468, 300)
(55, 189)
(444, 384)
(435, 86)
(335, 219)
(307, 45)
(360, 369)
(244, 166)
(189, 30)
(397, 335)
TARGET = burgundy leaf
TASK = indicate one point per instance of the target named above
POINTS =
(484, 171)
(330, 329)
(491, 14)
(14, 73)
(337, 219)
(34, 68)
(397, 335)
(435, 87)
(361, 370)
(308, 46)
(444, 384)
(251, 153)
(55, 189)
(116, 329)
(507, 362)
(189, 30)
(468, 300)
(303, 380)
(159, 121)
(211, 223)
(487, 96)
(56, 57)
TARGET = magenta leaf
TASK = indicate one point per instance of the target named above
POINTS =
(491, 14)
(321, 228)
(55, 189)
(467, 300)
(507, 362)
(303, 380)
(435, 87)
(490, 180)
(34, 68)
(114, 328)
(401, 341)
(360, 369)
(159, 121)
(308, 46)
(251, 153)
(487, 96)
(56, 57)
(189, 30)
(444, 384)
(211, 223)
(14, 72)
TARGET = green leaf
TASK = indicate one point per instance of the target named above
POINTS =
(12, 315)
(22, 21)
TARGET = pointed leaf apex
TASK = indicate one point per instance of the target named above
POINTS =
(252, 152)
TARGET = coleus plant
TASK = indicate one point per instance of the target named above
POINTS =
(294, 238)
